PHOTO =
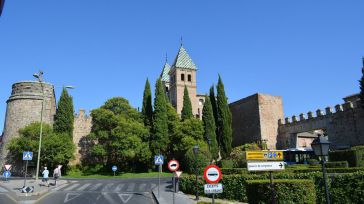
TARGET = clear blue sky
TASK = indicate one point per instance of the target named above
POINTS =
(309, 52)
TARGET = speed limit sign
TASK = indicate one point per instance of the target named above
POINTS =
(173, 165)
(212, 174)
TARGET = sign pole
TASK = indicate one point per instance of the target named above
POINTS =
(26, 171)
(174, 186)
(159, 178)
(272, 186)
(213, 198)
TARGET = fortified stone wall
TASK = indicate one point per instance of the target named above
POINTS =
(82, 128)
(344, 127)
(24, 107)
(255, 117)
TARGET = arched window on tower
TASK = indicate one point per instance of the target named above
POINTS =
(182, 77)
(189, 77)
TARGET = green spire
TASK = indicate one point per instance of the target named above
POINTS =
(183, 60)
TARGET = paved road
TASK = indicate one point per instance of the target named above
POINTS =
(5, 197)
(129, 191)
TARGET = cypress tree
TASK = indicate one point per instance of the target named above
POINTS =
(210, 127)
(187, 106)
(213, 103)
(225, 121)
(64, 118)
(160, 139)
(147, 109)
(362, 86)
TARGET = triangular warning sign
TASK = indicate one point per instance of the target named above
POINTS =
(125, 197)
(178, 173)
(71, 196)
(7, 167)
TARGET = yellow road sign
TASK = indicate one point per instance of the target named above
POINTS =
(264, 155)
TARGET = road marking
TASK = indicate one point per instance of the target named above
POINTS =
(93, 188)
(142, 187)
(125, 197)
(153, 186)
(83, 187)
(107, 187)
(71, 187)
(109, 198)
(119, 187)
(130, 187)
(3, 190)
(70, 196)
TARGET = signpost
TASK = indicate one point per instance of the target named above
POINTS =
(114, 168)
(213, 175)
(266, 161)
(173, 166)
(26, 157)
(159, 160)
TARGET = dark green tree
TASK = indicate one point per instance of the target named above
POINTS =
(210, 127)
(186, 112)
(147, 109)
(160, 140)
(362, 86)
(173, 122)
(225, 120)
(213, 103)
(64, 118)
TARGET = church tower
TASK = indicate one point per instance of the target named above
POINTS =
(183, 73)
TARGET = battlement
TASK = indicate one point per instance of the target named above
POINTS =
(82, 115)
(347, 106)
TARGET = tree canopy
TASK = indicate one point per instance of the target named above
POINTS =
(147, 109)
(210, 127)
(186, 112)
(64, 118)
(362, 86)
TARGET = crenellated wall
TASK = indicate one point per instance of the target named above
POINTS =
(344, 125)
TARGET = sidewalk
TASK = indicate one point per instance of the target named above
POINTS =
(166, 195)
(15, 186)
(217, 201)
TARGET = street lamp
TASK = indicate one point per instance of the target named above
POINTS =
(39, 76)
(195, 151)
(320, 146)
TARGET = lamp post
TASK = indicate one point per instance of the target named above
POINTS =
(195, 151)
(320, 146)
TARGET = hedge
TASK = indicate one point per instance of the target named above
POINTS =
(337, 164)
(354, 156)
(287, 191)
(343, 187)
(229, 171)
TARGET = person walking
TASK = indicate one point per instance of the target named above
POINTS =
(45, 176)
(57, 173)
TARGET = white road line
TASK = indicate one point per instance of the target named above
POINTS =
(142, 187)
(71, 187)
(83, 187)
(119, 187)
(3, 190)
(130, 187)
(153, 186)
(93, 188)
(108, 198)
(107, 187)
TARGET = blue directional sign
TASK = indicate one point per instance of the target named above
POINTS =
(158, 160)
(27, 155)
(114, 168)
(274, 155)
(270, 155)
(7, 174)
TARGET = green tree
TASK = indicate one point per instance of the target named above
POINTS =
(213, 103)
(362, 86)
(173, 122)
(210, 127)
(225, 120)
(56, 148)
(147, 109)
(186, 112)
(64, 118)
(159, 142)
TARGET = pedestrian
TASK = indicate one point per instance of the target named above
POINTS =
(45, 176)
(57, 173)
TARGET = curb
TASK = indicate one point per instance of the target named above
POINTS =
(155, 197)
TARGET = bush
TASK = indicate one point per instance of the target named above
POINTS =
(347, 188)
(354, 156)
(313, 162)
(337, 164)
(238, 157)
(287, 191)
(228, 171)
(330, 170)
(191, 162)
(226, 163)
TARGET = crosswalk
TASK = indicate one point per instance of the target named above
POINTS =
(106, 187)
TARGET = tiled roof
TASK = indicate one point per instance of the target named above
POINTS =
(164, 74)
(183, 60)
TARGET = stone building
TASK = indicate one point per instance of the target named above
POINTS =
(182, 73)
(24, 107)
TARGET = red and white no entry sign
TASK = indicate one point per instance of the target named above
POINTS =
(173, 165)
(212, 174)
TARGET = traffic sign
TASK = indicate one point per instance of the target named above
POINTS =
(213, 188)
(6, 174)
(264, 155)
(178, 174)
(173, 165)
(114, 168)
(27, 156)
(212, 174)
(265, 166)
(158, 160)
(7, 167)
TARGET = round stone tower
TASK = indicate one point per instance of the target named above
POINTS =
(24, 107)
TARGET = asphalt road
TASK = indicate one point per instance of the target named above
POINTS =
(98, 191)
(4, 198)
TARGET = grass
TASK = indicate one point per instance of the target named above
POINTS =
(79, 174)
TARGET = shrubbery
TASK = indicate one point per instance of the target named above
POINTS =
(287, 191)
(354, 156)
(337, 164)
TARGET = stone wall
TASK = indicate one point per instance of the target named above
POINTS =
(82, 128)
(24, 107)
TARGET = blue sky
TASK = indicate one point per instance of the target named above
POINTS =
(309, 52)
